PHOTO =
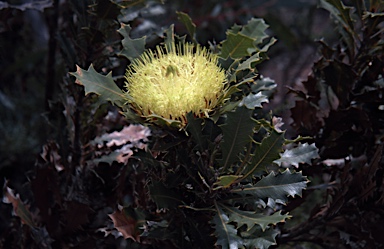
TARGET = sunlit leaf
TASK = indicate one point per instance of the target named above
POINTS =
(104, 86)
(226, 181)
(303, 153)
(132, 48)
(237, 46)
(251, 101)
(255, 29)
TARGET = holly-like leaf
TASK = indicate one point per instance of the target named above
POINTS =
(104, 86)
(237, 46)
(255, 29)
(256, 238)
(275, 186)
(237, 132)
(303, 153)
(251, 101)
(243, 40)
(126, 224)
(226, 233)
(163, 196)
(132, 48)
(249, 63)
(133, 134)
(265, 153)
(19, 208)
(187, 21)
(250, 218)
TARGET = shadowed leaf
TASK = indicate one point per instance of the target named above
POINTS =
(255, 238)
(276, 187)
(163, 196)
(265, 153)
(250, 218)
(236, 134)
(226, 234)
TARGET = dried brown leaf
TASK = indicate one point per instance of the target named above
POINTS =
(126, 225)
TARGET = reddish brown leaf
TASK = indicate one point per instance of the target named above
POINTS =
(125, 224)
(20, 209)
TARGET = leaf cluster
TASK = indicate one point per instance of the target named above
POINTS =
(341, 106)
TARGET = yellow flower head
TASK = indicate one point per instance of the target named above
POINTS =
(174, 81)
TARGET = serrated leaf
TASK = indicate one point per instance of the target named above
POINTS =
(264, 84)
(163, 196)
(303, 153)
(104, 86)
(226, 233)
(20, 209)
(237, 132)
(255, 238)
(249, 63)
(342, 15)
(237, 46)
(255, 29)
(276, 187)
(251, 101)
(127, 224)
(250, 218)
(132, 48)
(187, 21)
(265, 153)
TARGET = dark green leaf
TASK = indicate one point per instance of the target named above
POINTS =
(303, 153)
(163, 196)
(276, 187)
(250, 218)
(342, 15)
(237, 132)
(104, 86)
(249, 63)
(132, 48)
(237, 46)
(194, 127)
(255, 29)
(255, 238)
(187, 21)
(226, 234)
(265, 153)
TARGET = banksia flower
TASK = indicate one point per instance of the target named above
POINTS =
(171, 82)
